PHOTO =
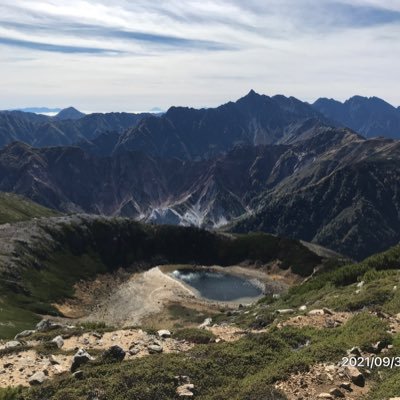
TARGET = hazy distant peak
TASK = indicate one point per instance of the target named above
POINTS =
(70, 113)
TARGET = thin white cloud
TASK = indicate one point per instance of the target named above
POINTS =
(124, 55)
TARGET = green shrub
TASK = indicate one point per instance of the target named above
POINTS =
(193, 335)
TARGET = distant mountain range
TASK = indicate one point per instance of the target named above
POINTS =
(369, 116)
(38, 110)
(261, 163)
(68, 127)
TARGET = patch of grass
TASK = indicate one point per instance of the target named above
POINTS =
(15, 208)
(185, 314)
(10, 393)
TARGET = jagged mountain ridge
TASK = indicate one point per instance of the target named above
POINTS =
(370, 116)
(329, 187)
(189, 133)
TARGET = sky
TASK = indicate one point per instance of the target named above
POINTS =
(133, 55)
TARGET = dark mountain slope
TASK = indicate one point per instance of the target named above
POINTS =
(188, 133)
(330, 187)
(41, 131)
(347, 198)
(370, 117)
(14, 208)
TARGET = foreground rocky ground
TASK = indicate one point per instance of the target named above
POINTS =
(54, 349)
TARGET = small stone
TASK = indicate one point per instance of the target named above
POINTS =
(325, 396)
(206, 322)
(164, 333)
(303, 308)
(78, 374)
(354, 351)
(346, 386)
(316, 312)
(97, 335)
(134, 350)
(46, 325)
(53, 360)
(59, 341)
(378, 347)
(8, 365)
(355, 376)
(37, 379)
(328, 311)
(81, 357)
(114, 353)
(286, 311)
(154, 349)
(24, 334)
(11, 344)
(335, 392)
(185, 390)
(360, 284)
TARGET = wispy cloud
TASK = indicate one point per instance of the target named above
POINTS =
(55, 47)
(132, 54)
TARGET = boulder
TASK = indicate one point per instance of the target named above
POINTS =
(59, 341)
(37, 379)
(328, 311)
(164, 333)
(114, 353)
(81, 357)
(185, 390)
(355, 376)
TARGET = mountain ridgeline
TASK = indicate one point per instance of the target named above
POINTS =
(274, 164)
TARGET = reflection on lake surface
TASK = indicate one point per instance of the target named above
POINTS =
(219, 286)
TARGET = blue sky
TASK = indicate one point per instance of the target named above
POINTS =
(134, 55)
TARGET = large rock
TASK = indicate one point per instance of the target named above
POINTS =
(355, 376)
(114, 353)
(37, 379)
(81, 357)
